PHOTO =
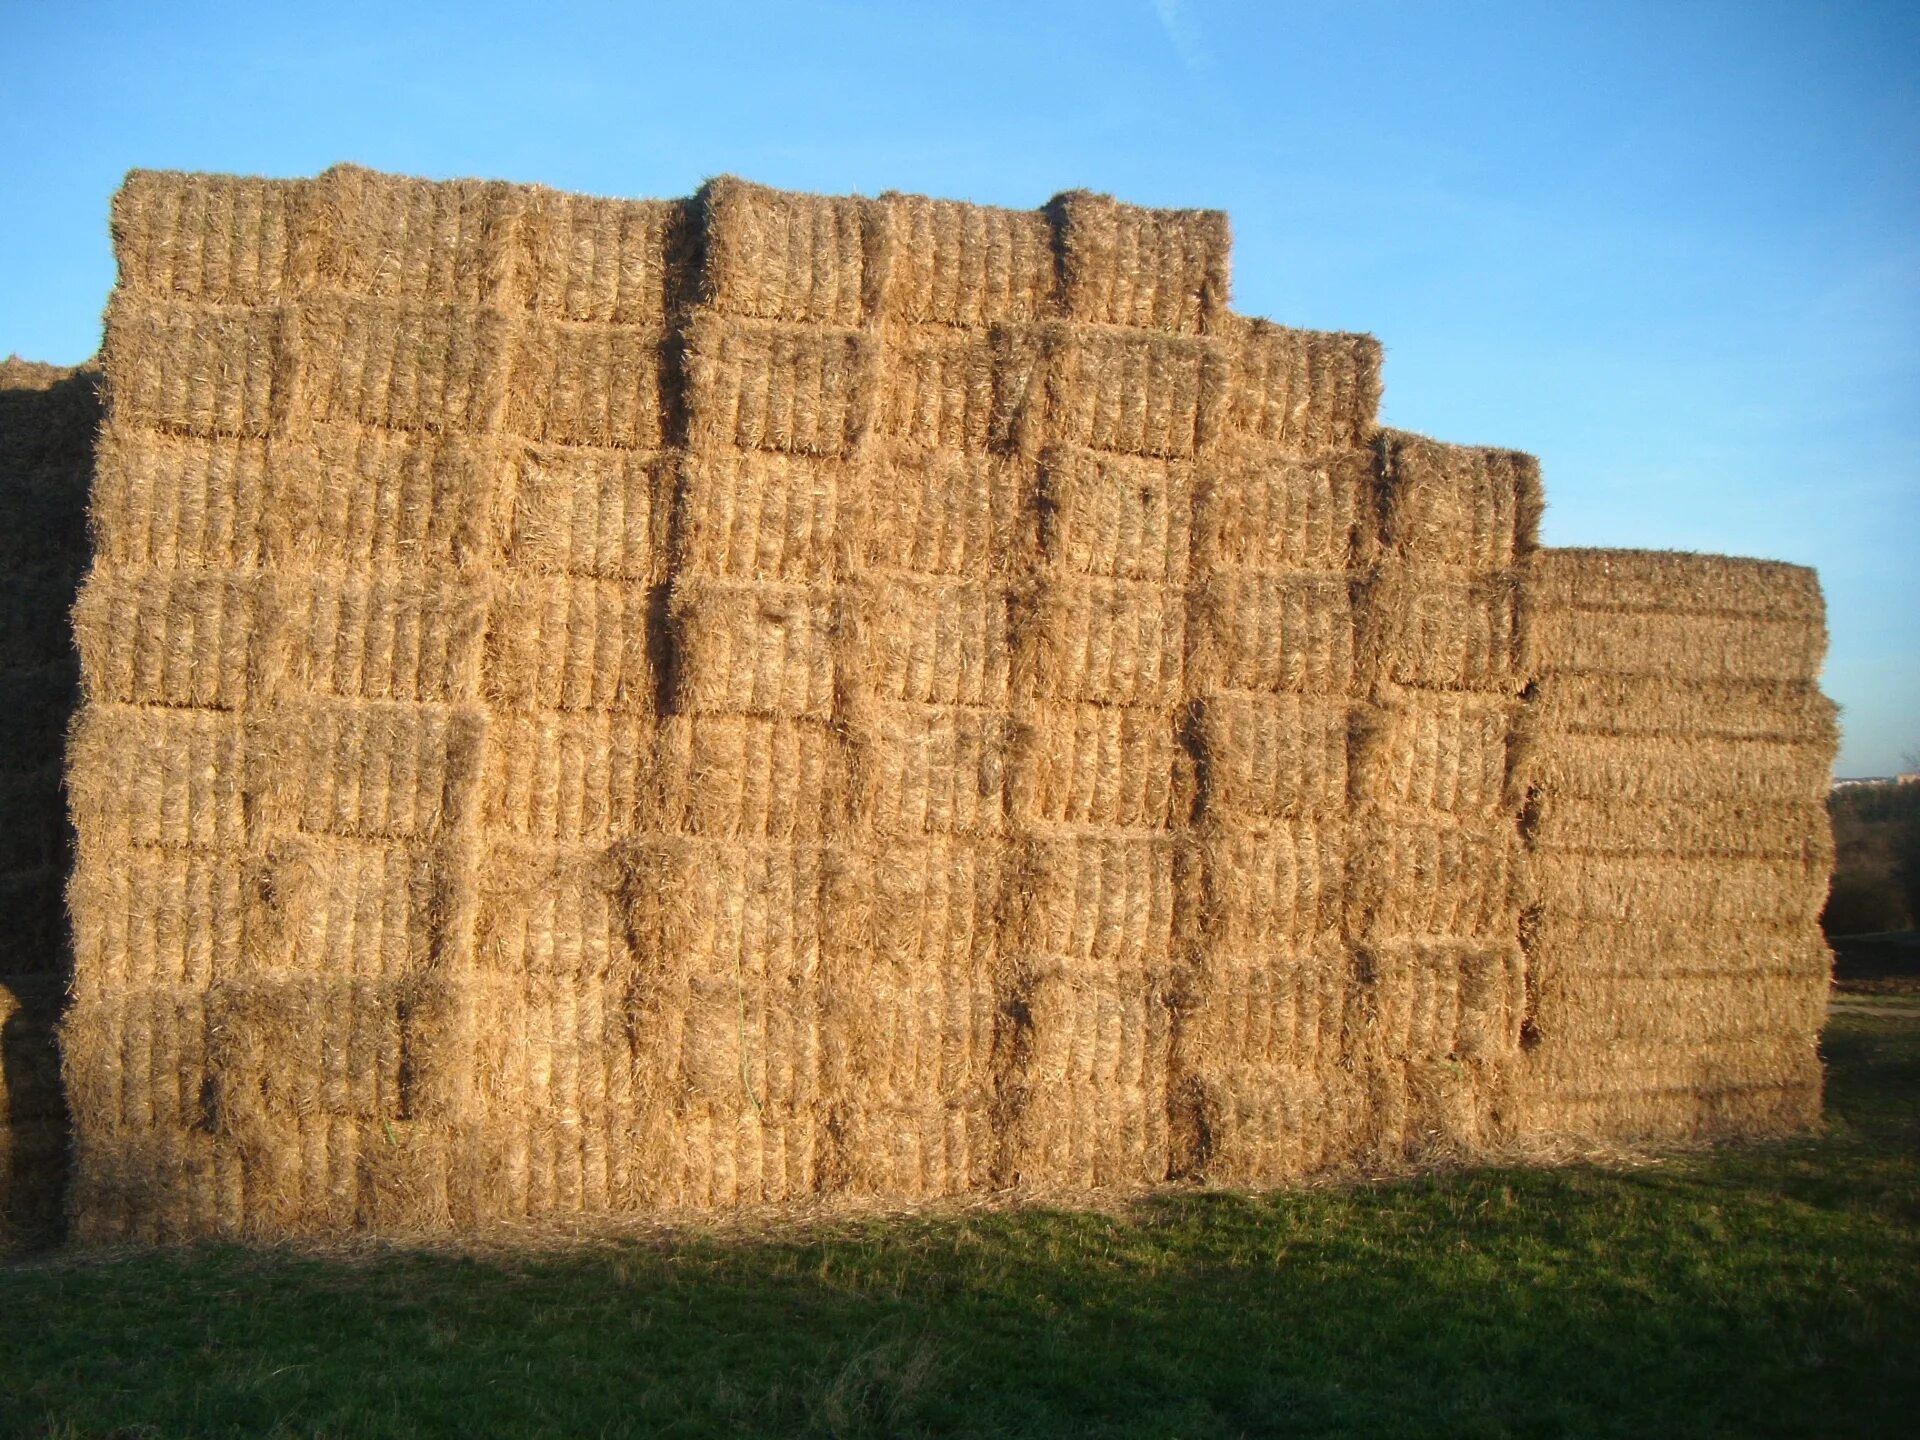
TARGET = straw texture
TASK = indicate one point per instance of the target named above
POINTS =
(641, 706)
(1679, 847)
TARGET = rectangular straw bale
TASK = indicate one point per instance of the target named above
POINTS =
(931, 769)
(1303, 393)
(338, 907)
(1680, 1010)
(1442, 750)
(1665, 947)
(1272, 757)
(1439, 879)
(1254, 510)
(967, 265)
(1118, 642)
(1635, 769)
(933, 512)
(298, 1045)
(749, 649)
(399, 638)
(1685, 1112)
(587, 384)
(749, 777)
(762, 385)
(599, 514)
(137, 1061)
(778, 255)
(221, 239)
(1154, 269)
(566, 778)
(1116, 516)
(1133, 393)
(1096, 900)
(761, 517)
(613, 262)
(1465, 505)
(391, 237)
(348, 497)
(1607, 704)
(1445, 630)
(936, 901)
(1281, 884)
(572, 644)
(1268, 1011)
(552, 909)
(1739, 825)
(1264, 1125)
(1731, 890)
(397, 365)
(1094, 1110)
(151, 915)
(375, 771)
(937, 388)
(1272, 633)
(1682, 584)
(194, 371)
(1100, 765)
(932, 640)
(1621, 1072)
(1446, 999)
(1681, 647)
(179, 500)
(555, 1047)
(141, 775)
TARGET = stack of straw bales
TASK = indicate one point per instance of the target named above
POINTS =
(1676, 781)
(629, 706)
(47, 420)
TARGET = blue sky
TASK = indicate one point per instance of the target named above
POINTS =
(1672, 248)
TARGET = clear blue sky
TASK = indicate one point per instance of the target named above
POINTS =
(1672, 248)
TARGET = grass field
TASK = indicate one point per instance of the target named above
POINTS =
(1768, 1291)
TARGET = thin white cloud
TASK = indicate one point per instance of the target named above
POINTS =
(1181, 33)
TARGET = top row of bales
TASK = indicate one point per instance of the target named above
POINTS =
(598, 706)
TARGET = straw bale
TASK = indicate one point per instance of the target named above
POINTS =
(218, 239)
(1093, 1110)
(560, 1048)
(754, 648)
(937, 388)
(1742, 825)
(338, 907)
(375, 771)
(1728, 890)
(1274, 757)
(936, 901)
(1445, 999)
(1463, 505)
(967, 265)
(750, 777)
(1132, 393)
(180, 369)
(154, 776)
(1679, 1010)
(931, 769)
(598, 514)
(150, 915)
(1634, 769)
(1445, 630)
(1118, 642)
(1677, 948)
(1279, 885)
(1601, 704)
(777, 255)
(137, 1061)
(1438, 878)
(1680, 646)
(583, 384)
(568, 644)
(1303, 393)
(1444, 751)
(1687, 1111)
(1254, 511)
(762, 385)
(1155, 269)
(1116, 516)
(399, 638)
(760, 518)
(1094, 765)
(611, 262)
(932, 512)
(356, 499)
(1682, 584)
(1267, 1124)
(291, 1046)
(179, 500)
(566, 777)
(1268, 1010)
(403, 365)
(1272, 633)
(552, 910)
(932, 640)
(386, 236)
(1095, 900)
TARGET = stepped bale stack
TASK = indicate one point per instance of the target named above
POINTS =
(47, 420)
(650, 706)
(1679, 847)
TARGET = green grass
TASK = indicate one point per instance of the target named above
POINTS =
(1767, 1291)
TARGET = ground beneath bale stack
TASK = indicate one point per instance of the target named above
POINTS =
(1759, 1292)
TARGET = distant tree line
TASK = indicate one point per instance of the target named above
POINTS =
(1876, 876)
